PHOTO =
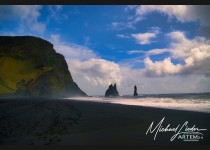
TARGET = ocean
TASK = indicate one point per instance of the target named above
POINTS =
(188, 101)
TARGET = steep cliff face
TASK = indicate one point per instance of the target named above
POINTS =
(30, 66)
(112, 91)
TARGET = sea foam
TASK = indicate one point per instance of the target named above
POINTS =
(200, 105)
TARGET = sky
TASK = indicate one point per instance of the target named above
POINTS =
(160, 49)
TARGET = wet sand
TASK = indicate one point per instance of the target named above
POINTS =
(72, 122)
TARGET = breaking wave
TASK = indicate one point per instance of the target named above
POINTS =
(191, 102)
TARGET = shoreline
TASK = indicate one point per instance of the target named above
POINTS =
(177, 109)
(74, 122)
(158, 107)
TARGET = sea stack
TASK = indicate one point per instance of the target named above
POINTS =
(112, 91)
(135, 91)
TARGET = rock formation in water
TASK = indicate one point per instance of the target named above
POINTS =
(29, 66)
(112, 91)
(135, 91)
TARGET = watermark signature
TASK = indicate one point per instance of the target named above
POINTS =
(183, 132)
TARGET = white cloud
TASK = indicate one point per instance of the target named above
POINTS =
(194, 53)
(123, 36)
(145, 38)
(88, 70)
(167, 84)
(161, 68)
(182, 46)
(27, 15)
(150, 52)
(183, 13)
(55, 12)
(130, 7)
(135, 51)
(96, 71)
(123, 25)
(157, 51)
(72, 51)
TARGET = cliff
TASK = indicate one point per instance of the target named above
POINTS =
(29, 66)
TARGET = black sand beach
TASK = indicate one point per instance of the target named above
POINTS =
(71, 122)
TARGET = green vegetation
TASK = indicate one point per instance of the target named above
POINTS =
(13, 70)
(29, 66)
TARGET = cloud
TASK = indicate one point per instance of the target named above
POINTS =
(130, 7)
(123, 36)
(161, 68)
(195, 54)
(96, 71)
(87, 68)
(167, 84)
(123, 25)
(145, 38)
(135, 52)
(182, 46)
(27, 15)
(54, 12)
(150, 52)
(183, 13)
(72, 51)
(157, 51)
(190, 73)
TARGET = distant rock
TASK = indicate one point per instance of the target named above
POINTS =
(135, 91)
(30, 66)
(112, 91)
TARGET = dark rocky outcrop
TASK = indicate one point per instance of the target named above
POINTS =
(30, 66)
(112, 91)
(135, 91)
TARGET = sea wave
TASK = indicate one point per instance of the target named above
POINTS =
(201, 105)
